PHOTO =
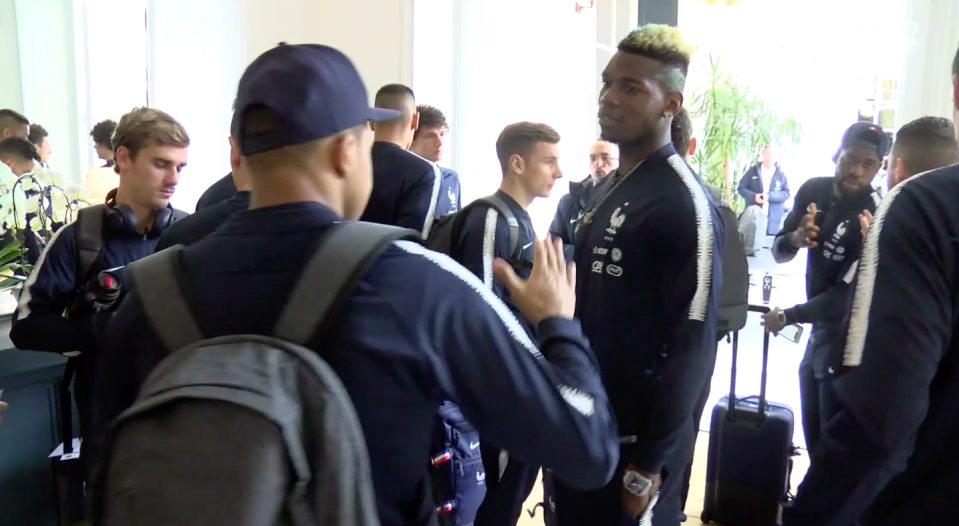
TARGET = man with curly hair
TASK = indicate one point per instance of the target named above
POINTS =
(648, 279)
(429, 141)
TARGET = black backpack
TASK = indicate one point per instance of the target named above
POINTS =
(733, 298)
(458, 477)
(245, 429)
(446, 232)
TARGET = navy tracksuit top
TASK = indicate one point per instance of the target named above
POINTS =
(419, 329)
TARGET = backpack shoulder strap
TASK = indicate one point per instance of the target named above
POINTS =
(516, 252)
(89, 232)
(345, 253)
(158, 287)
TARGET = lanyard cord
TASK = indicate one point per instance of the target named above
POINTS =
(588, 217)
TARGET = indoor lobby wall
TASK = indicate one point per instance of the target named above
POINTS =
(198, 50)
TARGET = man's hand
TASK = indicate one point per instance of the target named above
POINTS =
(635, 506)
(760, 199)
(550, 291)
(865, 219)
(3, 407)
(773, 321)
(807, 233)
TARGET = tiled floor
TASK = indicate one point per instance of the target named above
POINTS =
(694, 504)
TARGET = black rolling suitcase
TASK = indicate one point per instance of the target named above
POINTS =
(68, 469)
(750, 454)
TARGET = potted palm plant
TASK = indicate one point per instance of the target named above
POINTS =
(737, 124)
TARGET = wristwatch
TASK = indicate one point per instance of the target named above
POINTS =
(636, 483)
(781, 317)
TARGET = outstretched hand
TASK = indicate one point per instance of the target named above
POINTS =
(550, 291)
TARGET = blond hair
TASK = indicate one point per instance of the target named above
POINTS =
(144, 127)
(664, 44)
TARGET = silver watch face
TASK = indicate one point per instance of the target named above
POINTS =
(637, 484)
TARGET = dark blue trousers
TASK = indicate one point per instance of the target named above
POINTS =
(604, 507)
(505, 495)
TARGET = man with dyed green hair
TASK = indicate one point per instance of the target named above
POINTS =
(648, 275)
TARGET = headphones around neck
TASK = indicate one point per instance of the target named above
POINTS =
(121, 220)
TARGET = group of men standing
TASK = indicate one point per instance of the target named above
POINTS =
(593, 369)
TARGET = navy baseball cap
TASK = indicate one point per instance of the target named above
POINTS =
(865, 135)
(311, 92)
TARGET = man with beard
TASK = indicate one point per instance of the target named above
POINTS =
(889, 456)
(603, 159)
(825, 219)
(648, 280)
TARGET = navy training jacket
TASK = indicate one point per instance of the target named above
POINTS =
(418, 330)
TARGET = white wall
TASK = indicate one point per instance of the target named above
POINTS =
(491, 64)
(198, 50)
(932, 34)
(10, 88)
(48, 75)
(115, 54)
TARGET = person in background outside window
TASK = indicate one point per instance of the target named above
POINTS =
(406, 187)
(41, 140)
(100, 180)
(603, 160)
(765, 189)
(428, 142)
(12, 124)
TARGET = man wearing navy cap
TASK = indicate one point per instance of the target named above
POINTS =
(825, 219)
(418, 329)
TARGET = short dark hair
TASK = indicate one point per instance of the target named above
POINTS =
(664, 44)
(955, 64)
(927, 143)
(37, 134)
(397, 97)
(520, 139)
(102, 132)
(20, 148)
(395, 89)
(10, 118)
(682, 132)
(430, 119)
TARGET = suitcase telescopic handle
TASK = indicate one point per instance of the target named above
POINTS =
(762, 309)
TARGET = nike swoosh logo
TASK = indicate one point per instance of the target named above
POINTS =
(571, 221)
(527, 246)
(474, 445)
